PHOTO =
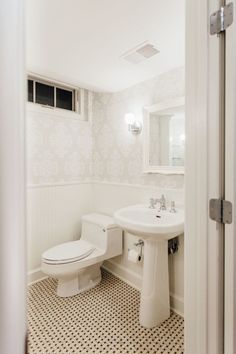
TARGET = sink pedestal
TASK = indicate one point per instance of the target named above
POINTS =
(156, 227)
(155, 299)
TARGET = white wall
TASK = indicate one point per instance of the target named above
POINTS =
(76, 167)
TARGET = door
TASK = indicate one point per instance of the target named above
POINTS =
(230, 189)
(221, 184)
(209, 261)
(223, 148)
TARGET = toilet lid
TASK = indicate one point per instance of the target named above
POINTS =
(68, 252)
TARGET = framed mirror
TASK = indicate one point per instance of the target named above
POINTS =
(164, 137)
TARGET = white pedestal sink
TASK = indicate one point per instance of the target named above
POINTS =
(156, 228)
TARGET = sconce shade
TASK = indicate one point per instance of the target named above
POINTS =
(134, 126)
(129, 118)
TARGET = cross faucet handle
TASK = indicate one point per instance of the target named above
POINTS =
(172, 207)
(153, 203)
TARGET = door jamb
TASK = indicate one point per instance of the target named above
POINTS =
(199, 260)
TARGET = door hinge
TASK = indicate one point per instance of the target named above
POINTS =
(222, 19)
(220, 211)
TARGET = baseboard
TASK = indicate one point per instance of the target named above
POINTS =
(35, 275)
(127, 275)
(135, 280)
(177, 304)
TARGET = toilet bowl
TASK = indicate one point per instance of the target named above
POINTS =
(76, 265)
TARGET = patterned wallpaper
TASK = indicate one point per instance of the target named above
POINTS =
(117, 154)
(61, 149)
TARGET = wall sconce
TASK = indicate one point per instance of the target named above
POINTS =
(134, 126)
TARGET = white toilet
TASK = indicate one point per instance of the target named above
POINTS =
(77, 264)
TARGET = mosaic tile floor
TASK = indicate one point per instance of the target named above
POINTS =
(103, 320)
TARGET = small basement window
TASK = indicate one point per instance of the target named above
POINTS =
(44, 94)
(51, 94)
(64, 99)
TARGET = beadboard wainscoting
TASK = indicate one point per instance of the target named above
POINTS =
(54, 216)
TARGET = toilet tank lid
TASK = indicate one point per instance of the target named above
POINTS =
(104, 221)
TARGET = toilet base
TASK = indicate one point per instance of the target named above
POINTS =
(84, 279)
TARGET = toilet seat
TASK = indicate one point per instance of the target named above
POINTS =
(68, 252)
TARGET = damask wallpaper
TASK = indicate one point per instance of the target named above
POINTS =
(118, 154)
(61, 149)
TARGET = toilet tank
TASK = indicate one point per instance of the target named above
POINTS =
(101, 231)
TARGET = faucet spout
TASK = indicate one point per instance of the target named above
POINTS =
(162, 202)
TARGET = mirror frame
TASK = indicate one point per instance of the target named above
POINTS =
(147, 110)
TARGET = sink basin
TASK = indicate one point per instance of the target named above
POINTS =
(145, 222)
(156, 228)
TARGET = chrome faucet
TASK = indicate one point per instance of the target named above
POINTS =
(162, 202)
(154, 201)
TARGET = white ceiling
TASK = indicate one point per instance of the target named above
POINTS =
(81, 41)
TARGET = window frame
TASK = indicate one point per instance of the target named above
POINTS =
(79, 100)
(76, 93)
(28, 80)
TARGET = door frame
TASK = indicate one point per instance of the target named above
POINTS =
(230, 191)
(196, 193)
(204, 280)
(12, 179)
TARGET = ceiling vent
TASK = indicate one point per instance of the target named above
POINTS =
(140, 53)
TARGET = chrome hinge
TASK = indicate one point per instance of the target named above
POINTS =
(222, 19)
(220, 211)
